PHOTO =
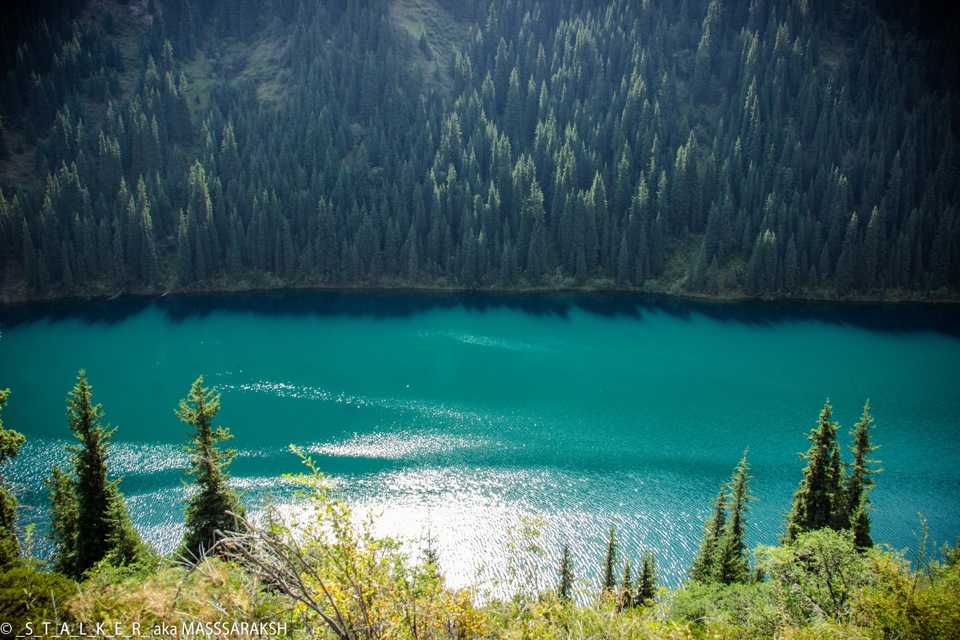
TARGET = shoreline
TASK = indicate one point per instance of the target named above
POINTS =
(13, 299)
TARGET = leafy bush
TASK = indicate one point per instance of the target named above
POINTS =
(748, 609)
(902, 603)
(28, 595)
(172, 593)
(815, 578)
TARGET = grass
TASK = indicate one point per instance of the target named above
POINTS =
(444, 35)
(199, 73)
(263, 67)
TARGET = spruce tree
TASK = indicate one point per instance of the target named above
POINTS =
(626, 586)
(647, 580)
(860, 481)
(565, 578)
(820, 496)
(90, 519)
(208, 510)
(704, 567)
(733, 564)
(10, 443)
(63, 521)
(610, 561)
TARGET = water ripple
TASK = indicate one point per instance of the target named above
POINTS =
(395, 446)
(482, 340)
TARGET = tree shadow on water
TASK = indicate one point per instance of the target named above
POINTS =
(886, 317)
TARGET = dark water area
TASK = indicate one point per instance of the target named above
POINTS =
(877, 316)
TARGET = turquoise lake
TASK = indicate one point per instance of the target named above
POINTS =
(462, 417)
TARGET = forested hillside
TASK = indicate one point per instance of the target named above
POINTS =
(746, 147)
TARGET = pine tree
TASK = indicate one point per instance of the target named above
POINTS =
(565, 578)
(90, 520)
(10, 443)
(704, 567)
(63, 520)
(208, 510)
(610, 561)
(860, 482)
(733, 563)
(626, 586)
(647, 580)
(820, 496)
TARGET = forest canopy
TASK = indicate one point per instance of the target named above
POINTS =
(743, 148)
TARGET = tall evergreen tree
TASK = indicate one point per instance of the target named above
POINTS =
(820, 498)
(733, 563)
(565, 577)
(626, 586)
(89, 515)
(208, 510)
(63, 520)
(610, 561)
(860, 482)
(647, 580)
(704, 567)
(10, 443)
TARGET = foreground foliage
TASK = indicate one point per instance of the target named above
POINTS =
(10, 443)
(328, 576)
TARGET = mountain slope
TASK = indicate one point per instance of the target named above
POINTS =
(781, 149)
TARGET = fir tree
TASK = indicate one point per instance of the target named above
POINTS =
(10, 443)
(626, 586)
(647, 580)
(860, 481)
(63, 521)
(733, 564)
(90, 520)
(820, 496)
(704, 567)
(610, 561)
(565, 578)
(208, 510)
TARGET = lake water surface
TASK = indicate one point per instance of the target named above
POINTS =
(460, 417)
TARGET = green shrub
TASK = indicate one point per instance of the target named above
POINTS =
(904, 604)
(749, 610)
(28, 595)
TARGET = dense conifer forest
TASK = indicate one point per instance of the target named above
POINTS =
(801, 148)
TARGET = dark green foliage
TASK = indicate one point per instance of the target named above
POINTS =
(89, 520)
(208, 510)
(35, 597)
(626, 586)
(647, 580)
(859, 482)
(10, 443)
(704, 567)
(718, 149)
(63, 521)
(610, 561)
(828, 496)
(565, 574)
(733, 564)
(819, 502)
(723, 555)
